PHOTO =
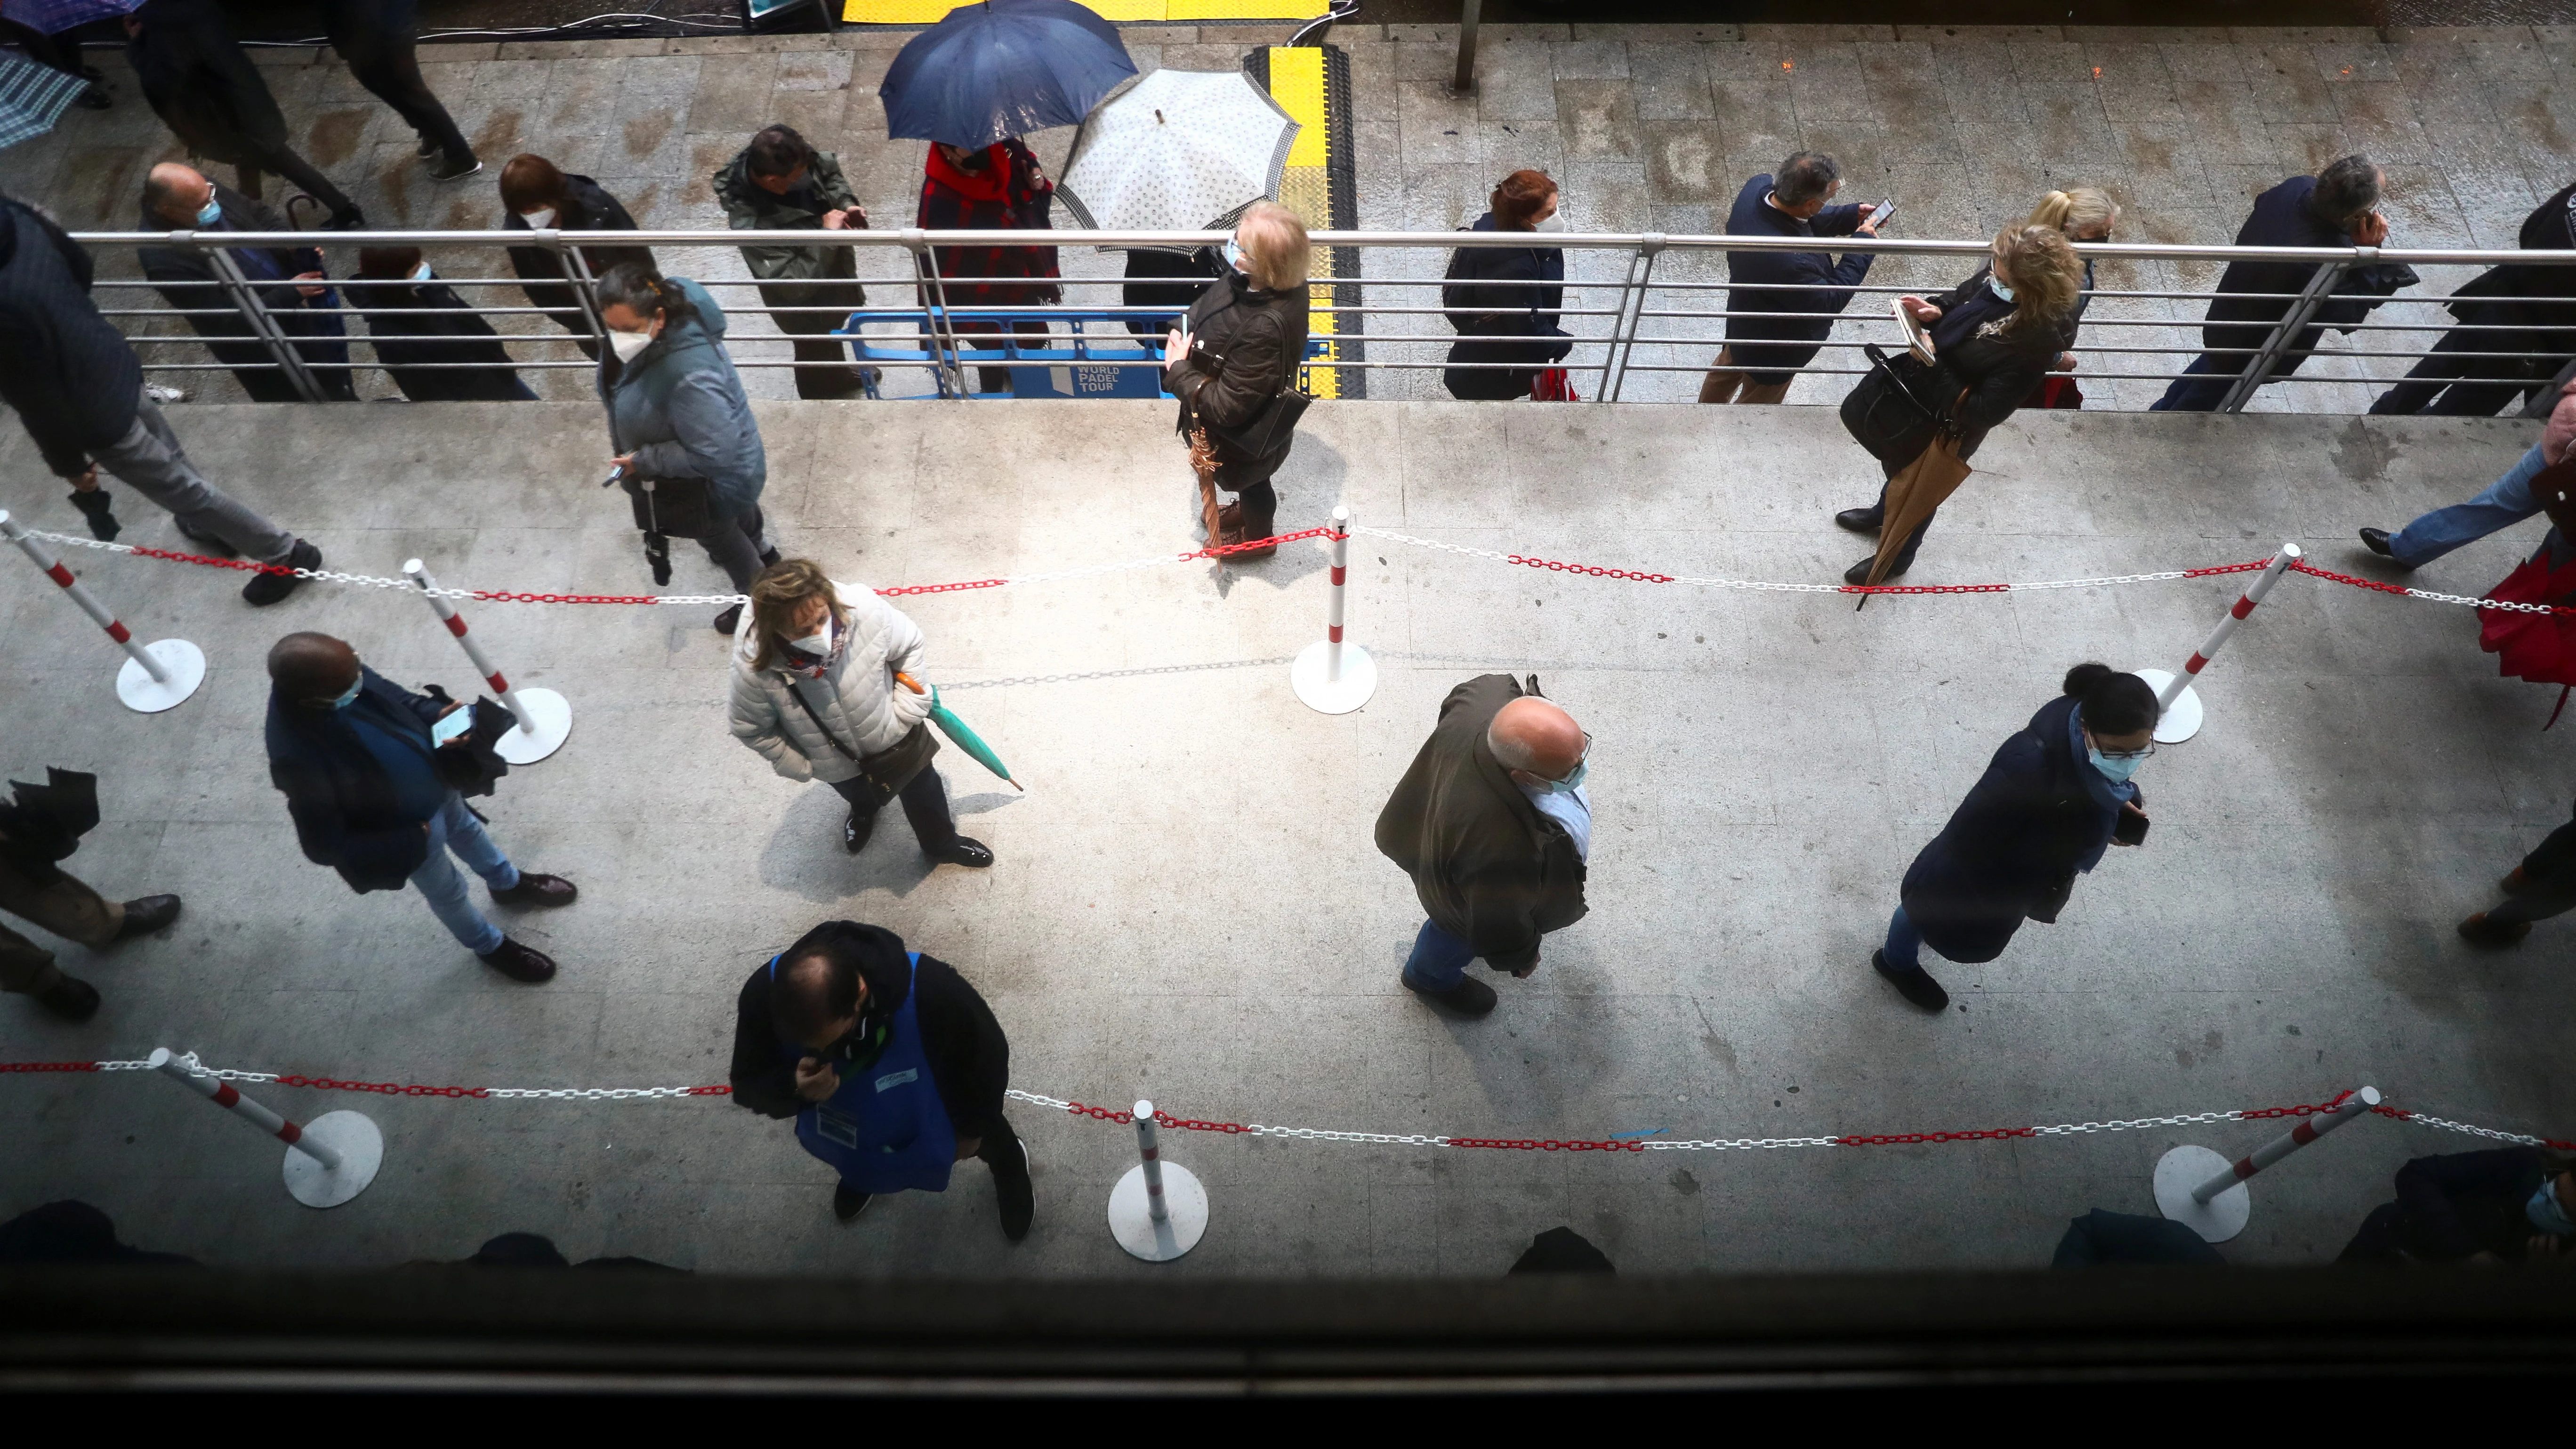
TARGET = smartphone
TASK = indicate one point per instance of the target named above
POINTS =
(1879, 215)
(452, 725)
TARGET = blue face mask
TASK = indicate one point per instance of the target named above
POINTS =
(2118, 769)
(1234, 256)
(1572, 782)
(1998, 288)
(2545, 1212)
(210, 213)
(351, 697)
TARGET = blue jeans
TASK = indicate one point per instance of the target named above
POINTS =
(2202, 386)
(454, 828)
(1904, 948)
(1439, 960)
(2506, 502)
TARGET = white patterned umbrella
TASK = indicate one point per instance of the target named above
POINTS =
(1177, 150)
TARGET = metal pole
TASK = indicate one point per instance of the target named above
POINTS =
(1632, 306)
(44, 559)
(543, 715)
(1464, 82)
(943, 341)
(1341, 587)
(2282, 1146)
(221, 1093)
(1148, 1144)
(2209, 647)
(584, 285)
(246, 299)
(2328, 276)
(1331, 675)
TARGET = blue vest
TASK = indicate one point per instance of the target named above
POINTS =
(885, 1130)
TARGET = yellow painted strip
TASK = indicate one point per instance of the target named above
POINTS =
(1245, 9)
(930, 12)
(1297, 84)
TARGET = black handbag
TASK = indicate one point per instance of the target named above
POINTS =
(888, 770)
(1884, 413)
(1270, 428)
(473, 763)
(671, 507)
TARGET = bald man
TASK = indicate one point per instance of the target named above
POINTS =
(1493, 824)
(367, 785)
(289, 282)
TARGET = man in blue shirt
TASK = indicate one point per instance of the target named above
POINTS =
(1763, 353)
(362, 777)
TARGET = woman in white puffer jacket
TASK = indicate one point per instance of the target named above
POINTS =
(814, 693)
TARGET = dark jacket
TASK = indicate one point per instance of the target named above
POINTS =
(970, 1059)
(1489, 868)
(1750, 275)
(187, 280)
(1246, 344)
(341, 798)
(749, 207)
(1010, 192)
(1997, 368)
(2460, 1203)
(399, 310)
(1174, 280)
(2497, 297)
(201, 84)
(679, 408)
(371, 33)
(2013, 848)
(64, 369)
(1498, 293)
(2282, 218)
(585, 207)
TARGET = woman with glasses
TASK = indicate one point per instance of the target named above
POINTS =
(2054, 797)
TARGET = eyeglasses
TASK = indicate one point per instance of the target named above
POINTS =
(2118, 754)
(1583, 759)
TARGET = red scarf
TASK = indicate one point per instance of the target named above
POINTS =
(993, 183)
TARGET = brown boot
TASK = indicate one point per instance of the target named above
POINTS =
(2477, 930)
(1231, 518)
(2514, 882)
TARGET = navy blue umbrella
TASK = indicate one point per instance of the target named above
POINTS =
(1002, 68)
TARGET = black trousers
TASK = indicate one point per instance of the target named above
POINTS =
(2551, 871)
(823, 366)
(380, 43)
(61, 52)
(2382, 1238)
(283, 161)
(925, 804)
(2444, 384)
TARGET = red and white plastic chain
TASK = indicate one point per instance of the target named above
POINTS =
(2377, 587)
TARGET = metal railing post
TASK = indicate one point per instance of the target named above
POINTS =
(1464, 82)
(246, 300)
(2310, 298)
(584, 285)
(943, 338)
(1632, 307)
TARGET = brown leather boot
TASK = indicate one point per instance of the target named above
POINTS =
(2477, 930)
(1231, 518)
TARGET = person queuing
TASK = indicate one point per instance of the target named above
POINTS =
(1000, 188)
(370, 790)
(1994, 337)
(1493, 824)
(536, 196)
(2083, 214)
(2542, 886)
(2508, 1204)
(2522, 317)
(2054, 797)
(2507, 501)
(39, 827)
(890, 1062)
(1234, 359)
(1763, 353)
(288, 280)
(379, 40)
(434, 347)
(205, 89)
(77, 387)
(1504, 300)
(815, 694)
(2337, 207)
(1168, 281)
(781, 183)
(678, 420)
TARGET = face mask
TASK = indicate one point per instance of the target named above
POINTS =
(2545, 1212)
(818, 643)
(2117, 771)
(211, 213)
(542, 217)
(1570, 783)
(1998, 288)
(1234, 256)
(420, 273)
(1555, 222)
(627, 344)
(351, 697)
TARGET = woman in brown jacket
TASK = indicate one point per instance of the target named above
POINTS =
(1239, 347)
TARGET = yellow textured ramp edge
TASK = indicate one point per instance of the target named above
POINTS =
(1297, 84)
(930, 12)
(1245, 9)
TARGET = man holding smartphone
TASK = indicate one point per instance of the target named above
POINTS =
(367, 769)
(1781, 305)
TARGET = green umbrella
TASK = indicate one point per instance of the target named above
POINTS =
(958, 734)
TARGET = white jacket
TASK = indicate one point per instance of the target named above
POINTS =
(857, 697)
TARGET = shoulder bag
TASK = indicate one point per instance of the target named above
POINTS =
(1883, 413)
(889, 769)
(1265, 430)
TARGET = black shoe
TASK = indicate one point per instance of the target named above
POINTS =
(1861, 520)
(520, 963)
(149, 914)
(1019, 1196)
(2376, 540)
(98, 507)
(768, 557)
(1916, 985)
(537, 890)
(347, 218)
(2477, 930)
(1469, 998)
(848, 1202)
(729, 620)
(961, 851)
(856, 830)
(1859, 573)
(71, 998)
(96, 97)
(208, 543)
(426, 149)
(454, 170)
(265, 589)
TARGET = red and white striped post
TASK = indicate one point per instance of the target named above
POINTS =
(327, 1163)
(1159, 1209)
(2206, 1193)
(155, 676)
(1332, 676)
(2177, 705)
(544, 716)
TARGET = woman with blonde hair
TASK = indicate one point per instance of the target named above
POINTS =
(815, 694)
(1246, 338)
(1993, 337)
(2084, 214)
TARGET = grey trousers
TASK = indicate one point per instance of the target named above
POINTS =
(150, 461)
(735, 545)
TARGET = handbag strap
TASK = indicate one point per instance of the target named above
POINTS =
(818, 724)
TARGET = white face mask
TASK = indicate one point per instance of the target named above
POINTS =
(1554, 222)
(543, 217)
(627, 344)
(818, 643)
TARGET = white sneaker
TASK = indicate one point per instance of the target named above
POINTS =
(160, 394)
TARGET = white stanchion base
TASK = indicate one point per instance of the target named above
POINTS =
(145, 695)
(552, 715)
(1333, 696)
(1185, 1214)
(2185, 1168)
(362, 1151)
(2180, 722)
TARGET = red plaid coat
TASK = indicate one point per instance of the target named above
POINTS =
(1009, 192)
